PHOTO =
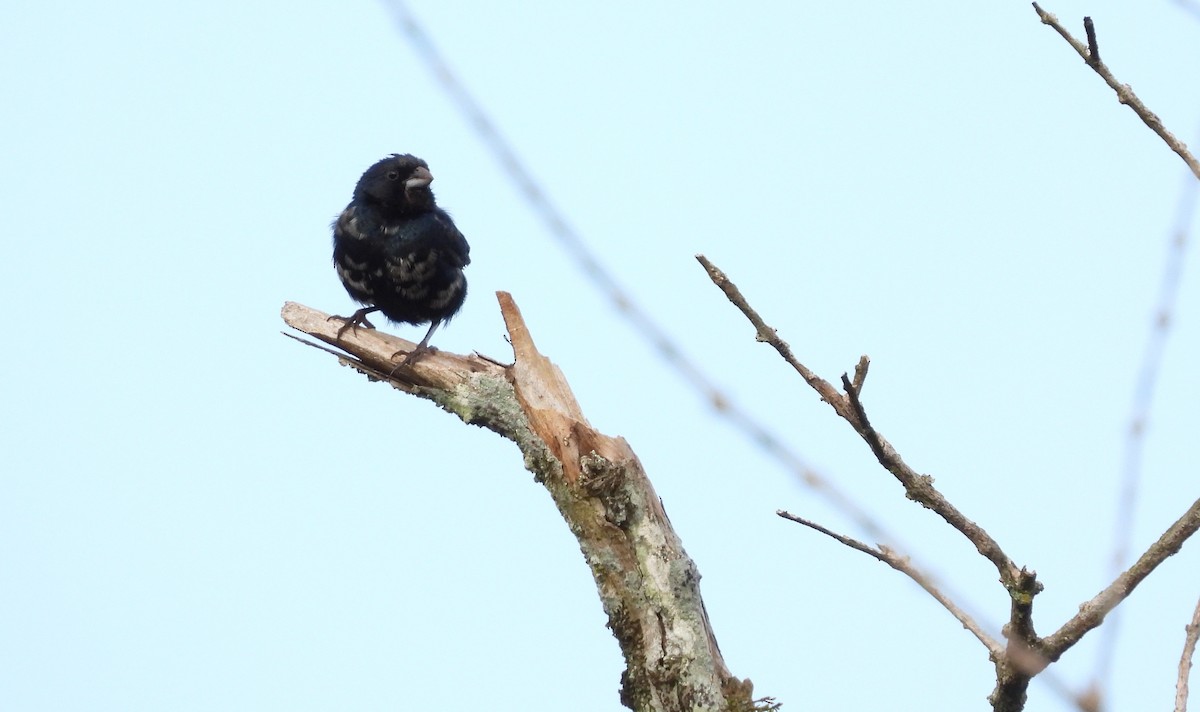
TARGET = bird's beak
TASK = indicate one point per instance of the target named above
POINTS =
(420, 178)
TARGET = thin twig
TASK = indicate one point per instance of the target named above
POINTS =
(1093, 47)
(1124, 93)
(917, 487)
(373, 374)
(1185, 660)
(767, 334)
(848, 541)
(904, 566)
(871, 436)
(860, 373)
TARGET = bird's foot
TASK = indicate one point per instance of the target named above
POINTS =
(421, 349)
(411, 357)
(355, 320)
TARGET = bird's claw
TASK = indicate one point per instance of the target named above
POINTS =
(355, 320)
(410, 357)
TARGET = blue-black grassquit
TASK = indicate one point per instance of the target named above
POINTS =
(397, 252)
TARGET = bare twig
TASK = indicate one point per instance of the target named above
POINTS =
(1185, 660)
(860, 373)
(917, 487)
(1124, 93)
(1093, 47)
(766, 334)
(904, 566)
(1092, 613)
(871, 436)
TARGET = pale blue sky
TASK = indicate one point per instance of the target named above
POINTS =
(197, 513)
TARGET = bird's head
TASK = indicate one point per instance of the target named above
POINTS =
(398, 183)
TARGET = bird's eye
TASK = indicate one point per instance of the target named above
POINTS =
(393, 175)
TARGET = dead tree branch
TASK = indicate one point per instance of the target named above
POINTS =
(1026, 654)
(647, 584)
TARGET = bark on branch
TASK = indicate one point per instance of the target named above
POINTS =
(647, 584)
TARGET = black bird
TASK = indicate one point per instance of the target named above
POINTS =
(397, 252)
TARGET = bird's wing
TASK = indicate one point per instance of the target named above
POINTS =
(451, 238)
